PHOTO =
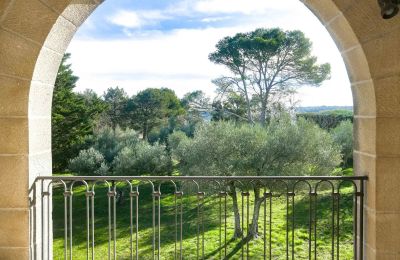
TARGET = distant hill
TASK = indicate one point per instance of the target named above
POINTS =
(317, 109)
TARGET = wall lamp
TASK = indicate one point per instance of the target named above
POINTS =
(389, 8)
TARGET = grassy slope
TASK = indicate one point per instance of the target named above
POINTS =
(211, 225)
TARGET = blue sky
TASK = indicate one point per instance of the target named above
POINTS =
(137, 44)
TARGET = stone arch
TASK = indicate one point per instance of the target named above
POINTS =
(34, 35)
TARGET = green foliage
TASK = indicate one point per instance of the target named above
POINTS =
(143, 159)
(266, 66)
(72, 118)
(328, 119)
(89, 162)
(343, 135)
(150, 107)
(297, 148)
(110, 142)
(211, 226)
(116, 113)
(121, 152)
(284, 147)
(233, 107)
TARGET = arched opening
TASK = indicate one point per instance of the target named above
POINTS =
(35, 34)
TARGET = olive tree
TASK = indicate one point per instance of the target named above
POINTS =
(291, 148)
(284, 147)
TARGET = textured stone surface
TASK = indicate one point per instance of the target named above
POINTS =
(19, 19)
(364, 130)
(60, 35)
(356, 64)
(46, 67)
(14, 231)
(13, 136)
(39, 135)
(14, 94)
(325, 10)
(12, 253)
(366, 21)
(387, 136)
(17, 55)
(384, 55)
(364, 98)
(13, 175)
(79, 10)
(341, 33)
(388, 96)
(40, 97)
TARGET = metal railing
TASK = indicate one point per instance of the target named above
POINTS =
(197, 217)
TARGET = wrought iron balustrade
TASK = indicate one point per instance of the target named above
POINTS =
(197, 217)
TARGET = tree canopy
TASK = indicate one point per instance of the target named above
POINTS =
(150, 107)
(72, 118)
(266, 64)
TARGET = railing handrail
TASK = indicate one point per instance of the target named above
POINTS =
(161, 178)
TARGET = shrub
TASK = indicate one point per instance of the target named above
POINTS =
(89, 162)
(328, 119)
(143, 159)
(343, 135)
(109, 142)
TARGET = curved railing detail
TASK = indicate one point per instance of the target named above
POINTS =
(252, 195)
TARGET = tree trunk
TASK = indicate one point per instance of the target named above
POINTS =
(249, 115)
(145, 131)
(263, 114)
(232, 192)
(253, 230)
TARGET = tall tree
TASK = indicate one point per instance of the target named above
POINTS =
(72, 118)
(266, 63)
(116, 112)
(150, 107)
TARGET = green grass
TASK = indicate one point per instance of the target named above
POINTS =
(211, 226)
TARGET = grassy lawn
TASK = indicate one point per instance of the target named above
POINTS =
(212, 248)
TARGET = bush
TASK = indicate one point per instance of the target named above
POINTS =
(284, 147)
(89, 162)
(143, 159)
(328, 119)
(109, 142)
(343, 135)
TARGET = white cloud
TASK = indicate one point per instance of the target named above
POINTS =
(247, 7)
(179, 59)
(137, 19)
(215, 19)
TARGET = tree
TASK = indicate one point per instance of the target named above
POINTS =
(266, 63)
(290, 148)
(72, 118)
(143, 158)
(343, 135)
(210, 152)
(232, 107)
(150, 107)
(89, 162)
(116, 113)
(284, 147)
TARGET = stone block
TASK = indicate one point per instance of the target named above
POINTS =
(31, 19)
(14, 231)
(14, 94)
(364, 98)
(14, 136)
(356, 64)
(13, 181)
(17, 55)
